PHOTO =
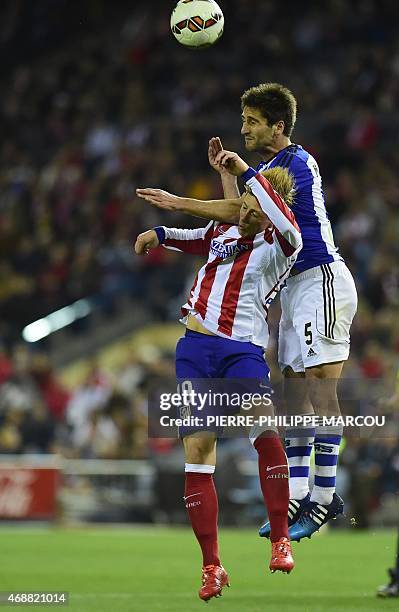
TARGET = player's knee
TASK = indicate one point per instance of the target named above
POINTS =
(323, 395)
(322, 382)
(320, 393)
(199, 449)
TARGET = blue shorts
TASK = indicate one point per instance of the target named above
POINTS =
(201, 358)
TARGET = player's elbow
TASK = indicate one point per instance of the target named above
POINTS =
(295, 241)
(298, 243)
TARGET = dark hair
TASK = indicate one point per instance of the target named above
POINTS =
(275, 102)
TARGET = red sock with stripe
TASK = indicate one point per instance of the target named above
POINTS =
(202, 506)
(273, 475)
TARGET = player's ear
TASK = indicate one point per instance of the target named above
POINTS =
(279, 127)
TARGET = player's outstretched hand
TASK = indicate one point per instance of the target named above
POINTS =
(214, 147)
(160, 198)
(232, 162)
(146, 241)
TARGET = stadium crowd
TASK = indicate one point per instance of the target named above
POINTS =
(106, 102)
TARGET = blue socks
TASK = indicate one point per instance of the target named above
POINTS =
(326, 447)
(298, 446)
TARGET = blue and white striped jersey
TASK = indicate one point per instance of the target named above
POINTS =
(309, 207)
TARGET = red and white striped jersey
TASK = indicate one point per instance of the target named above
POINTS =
(234, 289)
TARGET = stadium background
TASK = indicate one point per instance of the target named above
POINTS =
(98, 99)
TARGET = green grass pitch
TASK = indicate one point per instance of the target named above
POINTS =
(150, 569)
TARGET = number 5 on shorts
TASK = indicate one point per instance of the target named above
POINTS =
(308, 333)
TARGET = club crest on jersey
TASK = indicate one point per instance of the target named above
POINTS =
(223, 251)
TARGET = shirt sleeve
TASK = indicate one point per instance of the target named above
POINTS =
(287, 230)
(194, 241)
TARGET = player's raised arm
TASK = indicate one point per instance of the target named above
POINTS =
(225, 211)
(229, 181)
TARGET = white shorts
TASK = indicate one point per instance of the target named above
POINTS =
(318, 307)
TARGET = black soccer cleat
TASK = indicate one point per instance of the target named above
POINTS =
(295, 508)
(314, 516)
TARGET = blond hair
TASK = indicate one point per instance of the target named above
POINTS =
(282, 182)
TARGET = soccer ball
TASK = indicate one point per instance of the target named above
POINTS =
(197, 23)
